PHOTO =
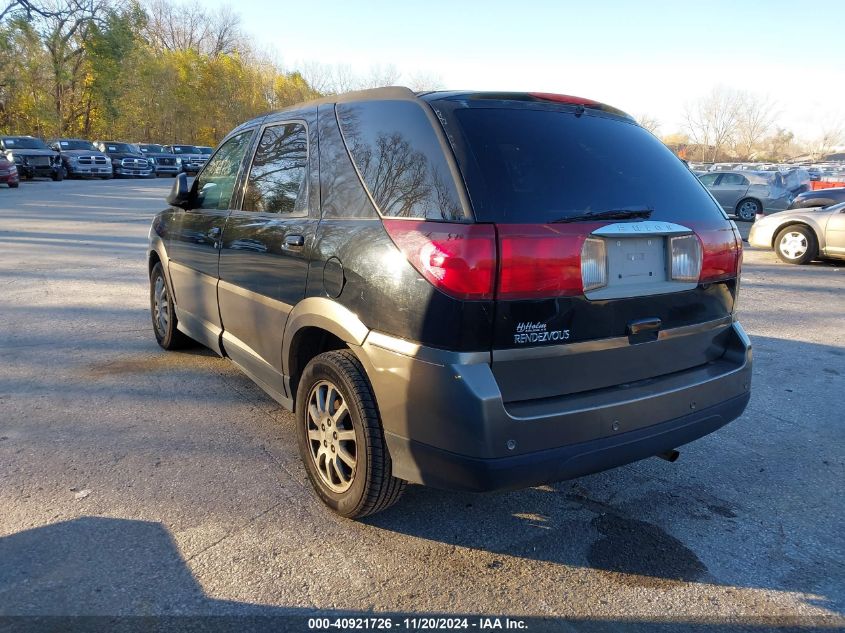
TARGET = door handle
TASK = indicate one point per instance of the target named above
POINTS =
(294, 241)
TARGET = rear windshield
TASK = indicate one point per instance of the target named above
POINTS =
(537, 165)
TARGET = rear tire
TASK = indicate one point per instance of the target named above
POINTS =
(340, 437)
(748, 209)
(163, 312)
(796, 244)
(13, 185)
(58, 176)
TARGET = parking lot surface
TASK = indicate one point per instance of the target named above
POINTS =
(139, 482)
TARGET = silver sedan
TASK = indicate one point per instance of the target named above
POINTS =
(799, 236)
(746, 193)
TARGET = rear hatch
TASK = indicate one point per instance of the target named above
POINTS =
(613, 264)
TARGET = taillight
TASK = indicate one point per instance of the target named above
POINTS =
(721, 255)
(685, 258)
(540, 260)
(458, 259)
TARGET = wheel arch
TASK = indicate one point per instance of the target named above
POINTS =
(314, 326)
(791, 223)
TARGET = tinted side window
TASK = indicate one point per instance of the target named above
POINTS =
(709, 179)
(277, 181)
(216, 183)
(400, 159)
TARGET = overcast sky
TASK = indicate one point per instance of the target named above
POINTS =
(643, 57)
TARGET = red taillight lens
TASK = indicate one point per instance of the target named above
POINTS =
(458, 259)
(540, 260)
(722, 254)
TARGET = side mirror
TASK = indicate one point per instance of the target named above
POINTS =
(180, 193)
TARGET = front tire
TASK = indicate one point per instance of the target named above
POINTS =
(163, 312)
(58, 176)
(13, 185)
(796, 244)
(748, 209)
(340, 437)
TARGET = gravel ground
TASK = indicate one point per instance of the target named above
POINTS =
(139, 482)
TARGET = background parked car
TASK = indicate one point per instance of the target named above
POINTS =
(32, 157)
(799, 236)
(126, 160)
(8, 172)
(165, 163)
(205, 149)
(80, 158)
(747, 193)
(192, 158)
(820, 198)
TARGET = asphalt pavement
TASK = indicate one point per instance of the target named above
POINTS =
(135, 481)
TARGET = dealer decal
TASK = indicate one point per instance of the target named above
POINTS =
(528, 332)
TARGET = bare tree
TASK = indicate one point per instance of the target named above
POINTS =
(649, 122)
(712, 121)
(422, 81)
(831, 135)
(26, 7)
(755, 117)
(176, 27)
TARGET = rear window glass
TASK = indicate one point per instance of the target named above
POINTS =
(542, 165)
(400, 159)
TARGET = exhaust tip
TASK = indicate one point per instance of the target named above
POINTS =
(670, 456)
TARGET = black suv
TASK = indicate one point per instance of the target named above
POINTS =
(477, 291)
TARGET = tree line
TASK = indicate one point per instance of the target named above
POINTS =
(730, 124)
(146, 70)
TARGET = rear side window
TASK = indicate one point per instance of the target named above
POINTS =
(400, 159)
(733, 179)
(538, 165)
(277, 181)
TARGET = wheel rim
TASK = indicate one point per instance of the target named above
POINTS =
(793, 245)
(748, 210)
(161, 306)
(331, 436)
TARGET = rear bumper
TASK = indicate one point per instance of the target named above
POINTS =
(446, 424)
(442, 469)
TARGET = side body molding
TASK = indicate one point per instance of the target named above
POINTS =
(326, 314)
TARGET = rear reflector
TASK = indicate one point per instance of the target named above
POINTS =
(685, 262)
(458, 259)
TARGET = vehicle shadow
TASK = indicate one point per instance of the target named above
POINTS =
(98, 574)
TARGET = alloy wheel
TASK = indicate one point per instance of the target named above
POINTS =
(331, 437)
(161, 306)
(748, 210)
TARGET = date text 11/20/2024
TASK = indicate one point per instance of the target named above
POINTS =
(481, 623)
